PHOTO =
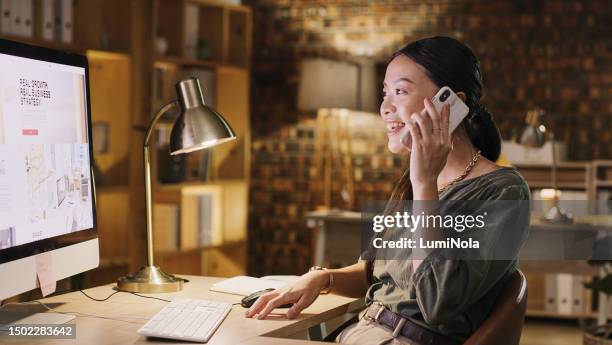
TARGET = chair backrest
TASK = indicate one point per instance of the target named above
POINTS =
(505, 324)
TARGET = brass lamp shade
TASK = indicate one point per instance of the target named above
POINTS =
(198, 126)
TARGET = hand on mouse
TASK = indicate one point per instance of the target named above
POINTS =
(300, 293)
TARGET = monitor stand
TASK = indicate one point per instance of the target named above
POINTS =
(32, 314)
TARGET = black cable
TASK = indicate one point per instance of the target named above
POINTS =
(161, 299)
(118, 291)
(99, 300)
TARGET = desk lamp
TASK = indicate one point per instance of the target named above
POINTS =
(533, 134)
(197, 127)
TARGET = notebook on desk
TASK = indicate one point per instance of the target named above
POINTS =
(244, 285)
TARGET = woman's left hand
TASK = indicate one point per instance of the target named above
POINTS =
(431, 144)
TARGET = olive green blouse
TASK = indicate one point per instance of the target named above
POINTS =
(452, 297)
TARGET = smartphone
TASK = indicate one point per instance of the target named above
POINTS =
(458, 110)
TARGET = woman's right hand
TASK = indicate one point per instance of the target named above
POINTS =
(301, 293)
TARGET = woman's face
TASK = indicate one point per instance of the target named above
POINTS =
(405, 86)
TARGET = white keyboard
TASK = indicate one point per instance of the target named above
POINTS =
(187, 319)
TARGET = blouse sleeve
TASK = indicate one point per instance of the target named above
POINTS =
(444, 286)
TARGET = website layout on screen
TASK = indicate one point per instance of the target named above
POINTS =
(45, 177)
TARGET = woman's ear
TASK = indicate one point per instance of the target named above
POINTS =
(461, 95)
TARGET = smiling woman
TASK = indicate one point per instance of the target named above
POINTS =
(423, 297)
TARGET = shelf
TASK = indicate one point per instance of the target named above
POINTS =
(112, 262)
(198, 249)
(113, 189)
(548, 314)
(194, 184)
(563, 185)
(221, 3)
(213, 29)
(561, 165)
(555, 266)
(186, 62)
(603, 183)
(73, 48)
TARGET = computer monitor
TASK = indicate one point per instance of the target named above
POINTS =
(47, 203)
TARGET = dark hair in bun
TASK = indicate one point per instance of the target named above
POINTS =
(451, 63)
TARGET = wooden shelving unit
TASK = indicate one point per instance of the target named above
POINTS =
(593, 178)
(227, 31)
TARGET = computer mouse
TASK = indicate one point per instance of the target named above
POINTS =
(249, 300)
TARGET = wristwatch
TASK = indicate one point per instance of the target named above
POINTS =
(329, 287)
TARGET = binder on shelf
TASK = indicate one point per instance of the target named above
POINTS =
(192, 19)
(16, 9)
(47, 22)
(57, 20)
(67, 25)
(564, 293)
(578, 306)
(6, 21)
(550, 295)
(27, 17)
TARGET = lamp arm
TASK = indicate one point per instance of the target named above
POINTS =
(148, 184)
(156, 118)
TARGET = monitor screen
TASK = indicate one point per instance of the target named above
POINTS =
(45, 174)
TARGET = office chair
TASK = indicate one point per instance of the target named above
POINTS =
(505, 324)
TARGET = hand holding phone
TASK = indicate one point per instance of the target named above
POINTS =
(458, 110)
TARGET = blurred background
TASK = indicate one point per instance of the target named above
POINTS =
(300, 82)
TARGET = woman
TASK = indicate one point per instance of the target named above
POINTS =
(446, 300)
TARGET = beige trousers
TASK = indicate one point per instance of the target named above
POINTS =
(367, 332)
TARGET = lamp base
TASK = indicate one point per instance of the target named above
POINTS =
(150, 279)
(557, 215)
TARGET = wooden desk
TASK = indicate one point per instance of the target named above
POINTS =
(137, 311)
